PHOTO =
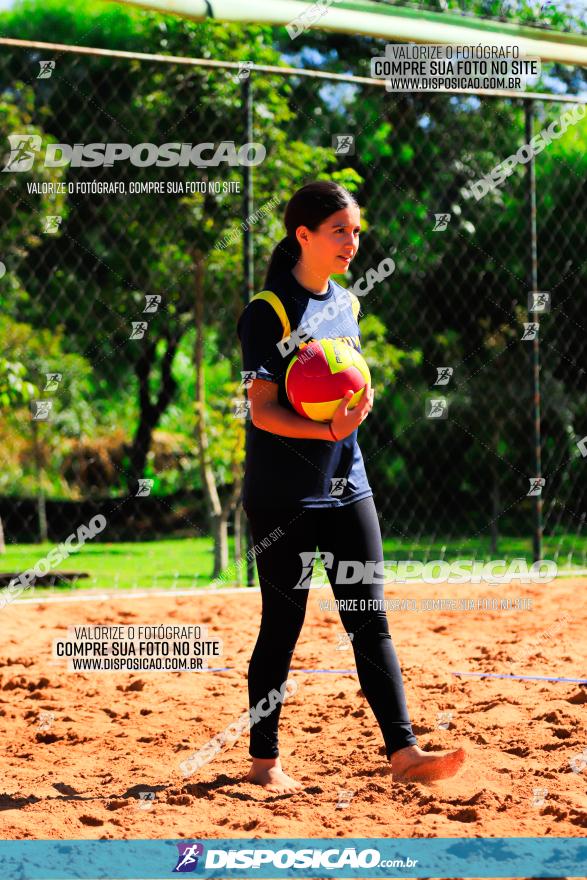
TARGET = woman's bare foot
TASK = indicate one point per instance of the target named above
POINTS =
(413, 765)
(268, 773)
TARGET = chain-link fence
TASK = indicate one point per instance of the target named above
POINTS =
(121, 306)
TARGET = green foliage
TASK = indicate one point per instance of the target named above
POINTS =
(14, 388)
(34, 354)
(22, 214)
(79, 22)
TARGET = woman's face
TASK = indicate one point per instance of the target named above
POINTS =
(332, 246)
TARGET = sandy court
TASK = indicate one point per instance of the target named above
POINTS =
(114, 735)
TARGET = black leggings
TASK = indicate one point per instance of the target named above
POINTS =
(349, 533)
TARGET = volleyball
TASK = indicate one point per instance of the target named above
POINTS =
(319, 375)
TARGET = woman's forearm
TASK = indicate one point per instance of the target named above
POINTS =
(279, 420)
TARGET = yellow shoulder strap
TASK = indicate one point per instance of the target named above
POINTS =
(276, 303)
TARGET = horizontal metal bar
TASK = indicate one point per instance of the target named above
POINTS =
(279, 71)
(386, 21)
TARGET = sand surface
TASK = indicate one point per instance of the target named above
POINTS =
(113, 735)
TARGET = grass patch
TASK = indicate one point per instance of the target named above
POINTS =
(188, 562)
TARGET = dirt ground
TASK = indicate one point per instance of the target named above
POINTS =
(113, 735)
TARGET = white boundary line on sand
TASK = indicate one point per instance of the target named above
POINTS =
(135, 594)
(195, 591)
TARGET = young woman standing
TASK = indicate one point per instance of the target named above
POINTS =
(308, 479)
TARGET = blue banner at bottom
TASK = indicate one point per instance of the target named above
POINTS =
(462, 857)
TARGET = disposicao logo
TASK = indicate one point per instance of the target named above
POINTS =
(25, 147)
(189, 853)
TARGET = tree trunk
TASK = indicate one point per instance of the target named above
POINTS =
(2, 541)
(218, 512)
(41, 505)
(216, 515)
(495, 495)
(150, 413)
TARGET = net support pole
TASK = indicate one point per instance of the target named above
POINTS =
(535, 317)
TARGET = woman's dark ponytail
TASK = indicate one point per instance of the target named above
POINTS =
(284, 257)
(310, 206)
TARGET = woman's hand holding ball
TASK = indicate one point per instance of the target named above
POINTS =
(344, 420)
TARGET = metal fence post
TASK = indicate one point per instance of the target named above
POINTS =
(248, 259)
(533, 276)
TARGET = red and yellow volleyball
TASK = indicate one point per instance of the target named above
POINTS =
(319, 375)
